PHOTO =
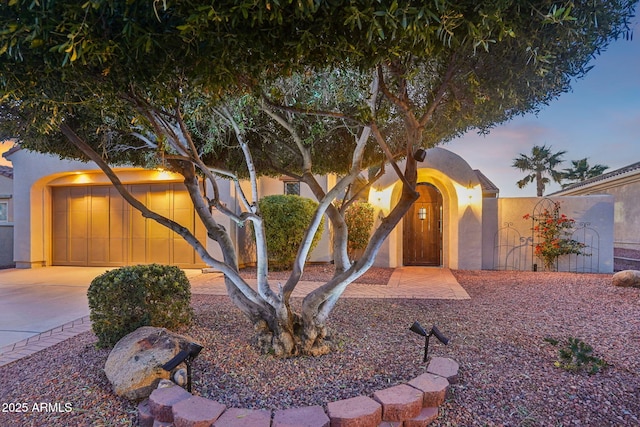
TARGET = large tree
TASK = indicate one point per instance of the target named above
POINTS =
(238, 89)
(540, 167)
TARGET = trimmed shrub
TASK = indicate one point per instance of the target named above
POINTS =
(359, 219)
(286, 217)
(122, 300)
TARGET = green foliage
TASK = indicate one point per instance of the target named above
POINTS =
(286, 218)
(127, 298)
(552, 231)
(359, 219)
(576, 356)
(581, 170)
(542, 165)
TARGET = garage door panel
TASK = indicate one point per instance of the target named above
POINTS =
(117, 251)
(78, 251)
(60, 251)
(138, 251)
(158, 197)
(183, 217)
(181, 198)
(95, 226)
(183, 253)
(77, 228)
(98, 251)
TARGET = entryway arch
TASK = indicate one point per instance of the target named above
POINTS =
(422, 228)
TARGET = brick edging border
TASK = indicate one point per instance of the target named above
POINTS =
(412, 404)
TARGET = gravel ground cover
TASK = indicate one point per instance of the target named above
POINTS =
(501, 338)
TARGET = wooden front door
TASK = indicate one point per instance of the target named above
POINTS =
(422, 228)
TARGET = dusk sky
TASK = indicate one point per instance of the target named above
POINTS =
(599, 119)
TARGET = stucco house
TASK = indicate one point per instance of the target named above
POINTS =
(66, 213)
(624, 185)
(6, 216)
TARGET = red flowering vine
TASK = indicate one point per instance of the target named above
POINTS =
(553, 231)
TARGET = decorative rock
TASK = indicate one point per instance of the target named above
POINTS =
(162, 400)
(196, 411)
(310, 416)
(134, 366)
(235, 417)
(391, 424)
(434, 388)
(444, 367)
(426, 417)
(400, 402)
(627, 279)
(145, 418)
(359, 411)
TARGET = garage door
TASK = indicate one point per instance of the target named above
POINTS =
(94, 226)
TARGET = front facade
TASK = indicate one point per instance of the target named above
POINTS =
(67, 213)
(444, 226)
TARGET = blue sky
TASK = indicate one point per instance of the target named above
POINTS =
(599, 119)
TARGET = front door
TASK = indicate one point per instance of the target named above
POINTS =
(422, 234)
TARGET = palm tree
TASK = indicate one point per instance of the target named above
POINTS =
(541, 164)
(581, 170)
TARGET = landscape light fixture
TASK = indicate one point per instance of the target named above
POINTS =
(186, 357)
(418, 329)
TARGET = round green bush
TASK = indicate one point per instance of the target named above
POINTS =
(124, 299)
(286, 217)
(359, 218)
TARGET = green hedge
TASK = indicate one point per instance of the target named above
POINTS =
(286, 217)
(359, 218)
(122, 300)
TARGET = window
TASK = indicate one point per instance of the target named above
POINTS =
(4, 211)
(292, 188)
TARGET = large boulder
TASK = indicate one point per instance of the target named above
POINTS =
(134, 366)
(627, 278)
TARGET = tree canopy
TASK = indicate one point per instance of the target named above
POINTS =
(581, 170)
(239, 88)
(541, 167)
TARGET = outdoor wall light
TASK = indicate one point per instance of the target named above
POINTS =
(418, 329)
(422, 214)
(186, 357)
(420, 154)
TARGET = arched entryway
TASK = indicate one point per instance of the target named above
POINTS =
(422, 228)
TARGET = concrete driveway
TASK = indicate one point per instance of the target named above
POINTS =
(36, 300)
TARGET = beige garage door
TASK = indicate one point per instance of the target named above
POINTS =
(94, 226)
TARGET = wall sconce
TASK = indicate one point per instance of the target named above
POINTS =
(422, 214)
(418, 329)
(420, 154)
(187, 357)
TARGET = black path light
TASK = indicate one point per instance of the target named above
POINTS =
(418, 329)
(187, 357)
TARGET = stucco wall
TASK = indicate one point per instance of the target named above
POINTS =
(511, 244)
(626, 215)
(6, 227)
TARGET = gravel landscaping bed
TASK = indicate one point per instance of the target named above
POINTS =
(501, 337)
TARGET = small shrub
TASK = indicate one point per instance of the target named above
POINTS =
(359, 217)
(286, 218)
(122, 300)
(576, 355)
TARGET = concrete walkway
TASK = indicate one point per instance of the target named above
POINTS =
(42, 307)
